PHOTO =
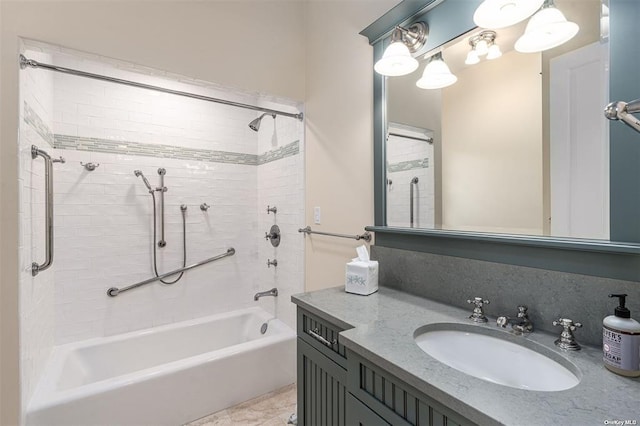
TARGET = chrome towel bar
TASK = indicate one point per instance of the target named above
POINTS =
(114, 291)
(48, 189)
(366, 236)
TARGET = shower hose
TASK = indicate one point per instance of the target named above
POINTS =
(155, 248)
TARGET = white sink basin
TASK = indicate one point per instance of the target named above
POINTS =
(494, 359)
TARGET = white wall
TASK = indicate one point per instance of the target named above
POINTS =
(493, 183)
(339, 132)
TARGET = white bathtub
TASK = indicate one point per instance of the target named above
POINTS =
(166, 375)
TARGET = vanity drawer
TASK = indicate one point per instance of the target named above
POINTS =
(322, 335)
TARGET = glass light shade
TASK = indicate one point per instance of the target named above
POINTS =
(436, 75)
(494, 52)
(545, 30)
(504, 13)
(472, 58)
(482, 47)
(396, 61)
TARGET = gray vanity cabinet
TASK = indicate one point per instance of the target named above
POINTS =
(339, 387)
(322, 374)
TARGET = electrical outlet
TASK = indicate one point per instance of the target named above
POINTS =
(316, 215)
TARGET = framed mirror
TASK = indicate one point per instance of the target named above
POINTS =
(518, 149)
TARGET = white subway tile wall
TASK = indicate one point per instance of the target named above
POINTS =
(103, 218)
(406, 159)
(37, 317)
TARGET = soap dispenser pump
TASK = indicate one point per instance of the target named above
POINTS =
(621, 341)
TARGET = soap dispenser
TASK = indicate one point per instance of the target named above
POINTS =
(621, 341)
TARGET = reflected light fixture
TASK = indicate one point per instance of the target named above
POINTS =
(436, 74)
(482, 44)
(396, 59)
(547, 29)
(504, 13)
(472, 57)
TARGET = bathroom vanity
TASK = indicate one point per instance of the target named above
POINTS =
(359, 363)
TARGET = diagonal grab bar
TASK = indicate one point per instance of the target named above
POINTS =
(48, 188)
(114, 291)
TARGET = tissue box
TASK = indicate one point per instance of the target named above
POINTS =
(362, 277)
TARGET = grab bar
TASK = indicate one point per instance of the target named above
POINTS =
(114, 291)
(48, 188)
(622, 111)
(415, 138)
(414, 181)
(366, 236)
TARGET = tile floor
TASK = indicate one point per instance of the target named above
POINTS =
(271, 409)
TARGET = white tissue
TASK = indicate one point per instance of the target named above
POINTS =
(362, 273)
(363, 253)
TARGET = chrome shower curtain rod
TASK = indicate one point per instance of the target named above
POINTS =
(25, 62)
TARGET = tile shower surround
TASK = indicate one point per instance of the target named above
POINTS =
(548, 294)
(103, 222)
(36, 294)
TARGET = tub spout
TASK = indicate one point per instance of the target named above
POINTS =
(273, 292)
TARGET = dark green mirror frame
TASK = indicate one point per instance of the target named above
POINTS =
(618, 258)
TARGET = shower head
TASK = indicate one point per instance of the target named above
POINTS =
(138, 173)
(255, 124)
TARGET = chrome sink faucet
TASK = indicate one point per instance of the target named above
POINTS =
(478, 313)
(521, 323)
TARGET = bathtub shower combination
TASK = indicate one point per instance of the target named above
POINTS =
(188, 338)
(167, 375)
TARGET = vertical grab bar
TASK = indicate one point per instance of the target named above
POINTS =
(414, 181)
(162, 189)
(48, 187)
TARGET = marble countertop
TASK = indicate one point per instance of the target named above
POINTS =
(381, 328)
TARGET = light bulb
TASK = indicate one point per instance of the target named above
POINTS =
(396, 61)
(504, 13)
(472, 58)
(494, 52)
(436, 75)
(482, 47)
(545, 30)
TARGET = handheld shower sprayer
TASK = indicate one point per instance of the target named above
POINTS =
(138, 173)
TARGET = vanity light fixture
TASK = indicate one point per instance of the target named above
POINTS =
(396, 59)
(483, 44)
(547, 29)
(504, 13)
(436, 75)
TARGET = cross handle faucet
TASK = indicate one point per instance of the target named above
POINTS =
(478, 313)
(567, 340)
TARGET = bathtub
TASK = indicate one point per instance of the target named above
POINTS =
(166, 375)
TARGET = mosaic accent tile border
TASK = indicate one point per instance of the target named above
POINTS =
(79, 143)
(33, 119)
(422, 163)
(285, 151)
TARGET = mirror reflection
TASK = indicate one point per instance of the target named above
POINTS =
(517, 144)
